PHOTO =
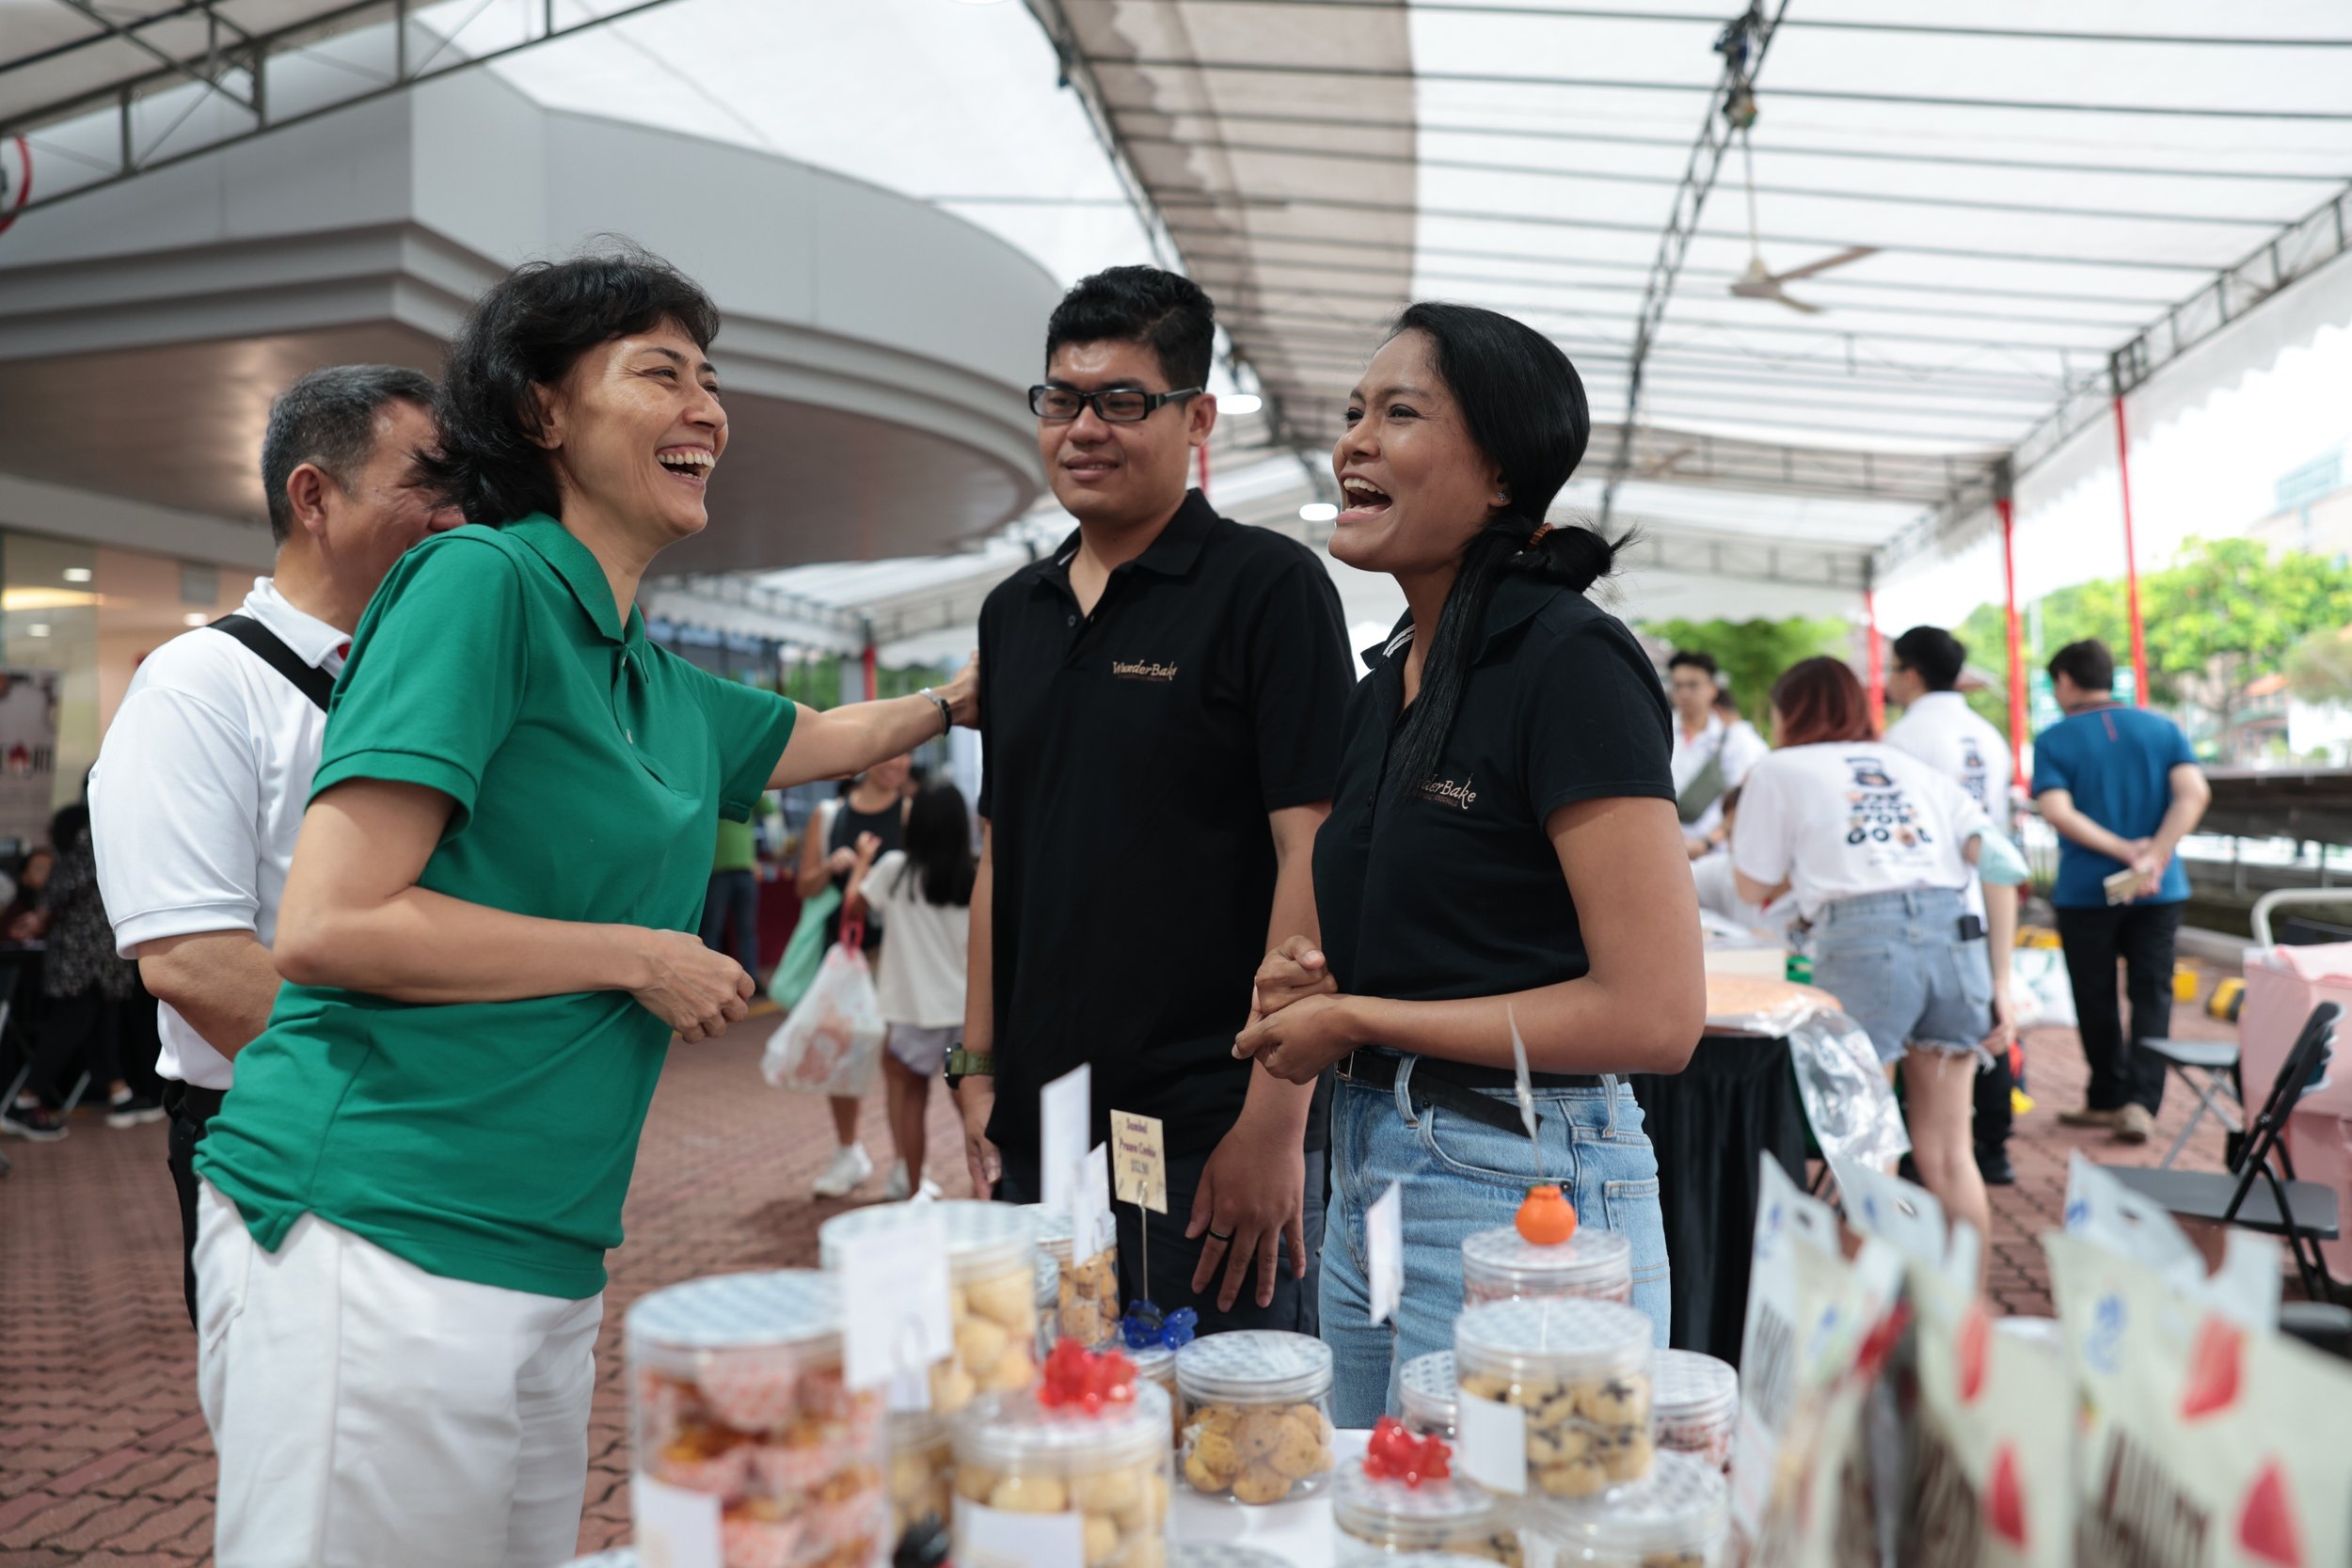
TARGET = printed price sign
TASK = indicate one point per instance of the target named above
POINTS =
(1141, 1163)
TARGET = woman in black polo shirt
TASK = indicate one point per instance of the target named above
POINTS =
(1502, 846)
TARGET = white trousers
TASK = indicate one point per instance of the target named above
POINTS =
(369, 1413)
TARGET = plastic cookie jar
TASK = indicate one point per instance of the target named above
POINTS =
(1678, 1516)
(1063, 1488)
(750, 1450)
(1554, 1396)
(1377, 1521)
(1425, 1394)
(1503, 1265)
(1696, 1401)
(991, 1273)
(922, 1469)
(1254, 1408)
(1085, 1302)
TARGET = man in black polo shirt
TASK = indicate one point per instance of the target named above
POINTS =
(1160, 702)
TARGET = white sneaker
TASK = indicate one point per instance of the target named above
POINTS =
(850, 1165)
(901, 1189)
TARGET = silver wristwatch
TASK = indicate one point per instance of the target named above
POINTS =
(946, 713)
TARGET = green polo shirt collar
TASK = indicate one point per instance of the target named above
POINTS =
(577, 566)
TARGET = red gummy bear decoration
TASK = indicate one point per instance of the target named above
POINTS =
(2265, 1526)
(2005, 1499)
(1086, 1380)
(1970, 1348)
(1395, 1454)
(2213, 1368)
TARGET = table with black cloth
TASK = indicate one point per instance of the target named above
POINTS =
(1711, 1123)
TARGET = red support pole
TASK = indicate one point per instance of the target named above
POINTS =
(1203, 450)
(1877, 661)
(870, 686)
(2130, 559)
(2017, 719)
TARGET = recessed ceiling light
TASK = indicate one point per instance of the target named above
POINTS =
(1242, 403)
(78, 574)
(1317, 512)
(39, 628)
(193, 618)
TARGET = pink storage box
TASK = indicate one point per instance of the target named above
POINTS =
(2282, 986)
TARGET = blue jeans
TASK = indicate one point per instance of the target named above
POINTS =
(1895, 963)
(1460, 1176)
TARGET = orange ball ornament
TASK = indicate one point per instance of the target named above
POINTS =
(1545, 1216)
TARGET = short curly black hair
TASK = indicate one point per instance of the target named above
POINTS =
(528, 331)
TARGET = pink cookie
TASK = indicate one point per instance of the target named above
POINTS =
(752, 1389)
(796, 1471)
(719, 1475)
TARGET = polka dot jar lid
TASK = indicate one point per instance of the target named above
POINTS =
(1682, 1505)
(1256, 1365)
(1590, 1260)
(785, 1307)
(1017, 1432)
(1426, 1386)
(1224, 1554)
(1565, 1335)
(1686, 1384)
(983, 1239)
(1374, 1505)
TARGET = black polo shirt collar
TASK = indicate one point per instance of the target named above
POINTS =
(1517, 599)
(1174, 554)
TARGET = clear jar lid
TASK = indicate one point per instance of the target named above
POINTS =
(916, 1431)
(1682, 1505)
(1154, 1363)
(984, 1240)
(785, 1308)
(1591, 1263)
(1426, 1389)
(1687, 1386)
(1562, 1336)
(1018, 1434)
(1435, 1508)
(1254, 1366)
(1053, 1230)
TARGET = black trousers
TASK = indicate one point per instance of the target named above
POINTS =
(191, 1109)
(85, 1028)
(1173, 1258)
(2143, 937)
(1996, 1111)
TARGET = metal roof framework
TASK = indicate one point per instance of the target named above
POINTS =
(2045, 218)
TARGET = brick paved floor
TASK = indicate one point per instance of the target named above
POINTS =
(105, 1459)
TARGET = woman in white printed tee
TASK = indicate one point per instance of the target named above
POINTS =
(1876, 846)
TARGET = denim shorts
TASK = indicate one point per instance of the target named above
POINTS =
(1895, 963)
(1460, 1176)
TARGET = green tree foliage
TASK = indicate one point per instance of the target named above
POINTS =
(2320, 668)
(1753, 654)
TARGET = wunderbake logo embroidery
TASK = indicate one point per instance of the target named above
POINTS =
(1142, 669)
(1445, 792)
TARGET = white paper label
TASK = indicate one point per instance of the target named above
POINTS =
(1384, 1252)
(894, 1308)
(675, 1529)
(1493, 1449)
(996, 1538)
(1091, 1204)
(1065, 1107)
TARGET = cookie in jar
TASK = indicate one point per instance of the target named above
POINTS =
(1056, 1480)
(991, 1273)
(1677, 1516)
(1254, 1414)
(1086, 1299)
(1696, 1401)
(742, 1416)
(1554, 1396)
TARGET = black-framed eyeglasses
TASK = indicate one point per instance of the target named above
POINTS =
(1119, 405)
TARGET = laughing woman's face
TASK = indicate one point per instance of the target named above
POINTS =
(636, 429)
(1414, 488)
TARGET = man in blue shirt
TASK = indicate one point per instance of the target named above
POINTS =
(2121, 788)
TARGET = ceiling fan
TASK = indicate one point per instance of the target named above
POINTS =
(1760, 282)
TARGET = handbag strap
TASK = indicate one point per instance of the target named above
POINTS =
(853, 932)
(267, 646)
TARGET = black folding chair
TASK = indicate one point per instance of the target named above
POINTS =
(2303, 1211)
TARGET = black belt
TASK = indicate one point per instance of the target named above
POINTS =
(192, 1101)
(1450, 1084)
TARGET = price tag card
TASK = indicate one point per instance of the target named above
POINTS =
(1493, 1447)
(1000, 1538)
(1091, 1204)
(675, 1529)
(894, 1305)
(1065, 1108)
(1141, 1165)
(1384, 1252)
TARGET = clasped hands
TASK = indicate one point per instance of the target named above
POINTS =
(1299, 1024)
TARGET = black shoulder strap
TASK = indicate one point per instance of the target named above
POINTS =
(267, 646)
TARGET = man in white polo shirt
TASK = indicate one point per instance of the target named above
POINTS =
(1941, 730)
(204, 774)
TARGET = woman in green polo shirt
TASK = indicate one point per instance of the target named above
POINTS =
(489, 938)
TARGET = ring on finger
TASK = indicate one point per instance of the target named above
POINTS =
(1216, 1235)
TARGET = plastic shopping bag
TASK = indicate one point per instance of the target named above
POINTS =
(805, 953)
(833, 1042)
